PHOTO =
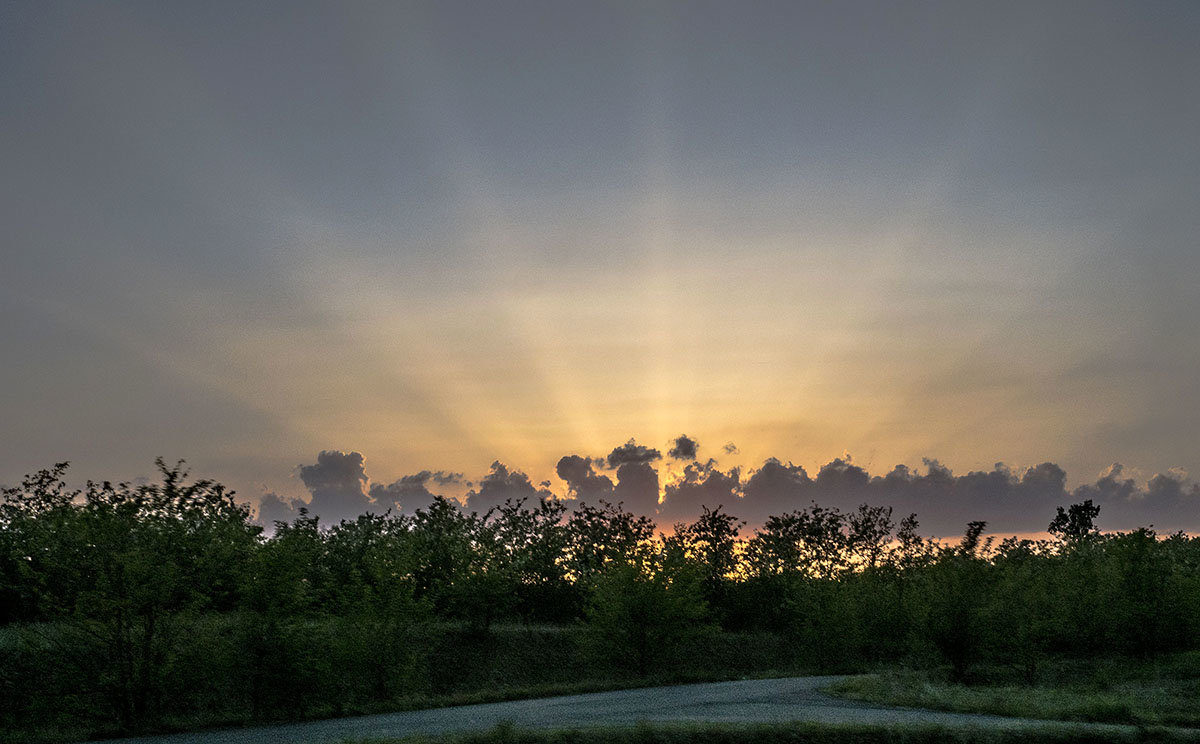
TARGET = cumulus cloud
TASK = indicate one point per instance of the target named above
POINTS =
(701, 485)
(1109, 487)
(730, 448)
(844, 478)
(944, 502)
(632, 453)
(583, 482)
(1168, 501)
(500, 485)
(774, 488)
(338, 484)
(1008, 499)
(274, 508)
(637, 488)
(683, 448)
(1170, 486)
(411, 492)
(446, 478)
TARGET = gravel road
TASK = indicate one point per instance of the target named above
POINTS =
(749, 701)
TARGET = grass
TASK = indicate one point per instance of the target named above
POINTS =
(511, 662)
(788, 733)
(180, 724)
(43, 697)
(1094, 696)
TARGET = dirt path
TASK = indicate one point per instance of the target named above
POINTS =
(749, 701)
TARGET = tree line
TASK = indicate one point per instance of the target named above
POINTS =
(125, 590)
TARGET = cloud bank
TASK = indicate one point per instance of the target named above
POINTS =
(1008, 499)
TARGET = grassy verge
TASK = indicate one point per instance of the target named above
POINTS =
(318, 668)
(57, 734)
(789, 733)
(1142, 702)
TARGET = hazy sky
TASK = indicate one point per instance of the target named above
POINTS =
(445, 234)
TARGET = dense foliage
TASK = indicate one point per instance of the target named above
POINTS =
(128, 606)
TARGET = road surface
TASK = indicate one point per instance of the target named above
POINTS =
(748, 701)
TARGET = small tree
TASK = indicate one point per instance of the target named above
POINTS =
(599, 536)
(370, 568)
(711, 542)
(1076, 524)
(955, 592)
(531, 542)
(120, 564)
(640, 616)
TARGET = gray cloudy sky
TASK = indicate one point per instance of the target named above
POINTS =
(446, 234)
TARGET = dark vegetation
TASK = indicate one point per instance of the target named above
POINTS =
(805, 733)
(150, 607)
(1145, 692)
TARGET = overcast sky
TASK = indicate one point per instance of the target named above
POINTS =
(441, 235)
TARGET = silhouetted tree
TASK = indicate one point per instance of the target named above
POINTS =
(608, 534)
(532, 545)
(870, 530)
(1076, 524)
(711, 541)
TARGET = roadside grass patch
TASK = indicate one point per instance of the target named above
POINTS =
(1160, 701)
(43, 698)
(785, 733)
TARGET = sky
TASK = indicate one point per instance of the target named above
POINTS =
(322, 248)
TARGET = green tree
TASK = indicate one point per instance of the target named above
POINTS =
(1022, 615)
(812, 542)
(641, 616)
(955, 592)
(1075, 524)
(532, 542)
(598, 536)
(121, 565)
(458, 565)
(376, 613)
(868, 535)
(712, 542)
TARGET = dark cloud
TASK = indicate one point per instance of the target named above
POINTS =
(844, 478)
(500, 485)
(701, 485)
(1169, 501)
(1008, 500)
(411, 492)
(637, 488)
(683, 448)
(1109, 487)
(774, 488)
(1169, 487)
(944, 502)
(633, 453)
(582, 480)
(274, 508)
(730, 448)
(338, 484)
(1044, 478)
